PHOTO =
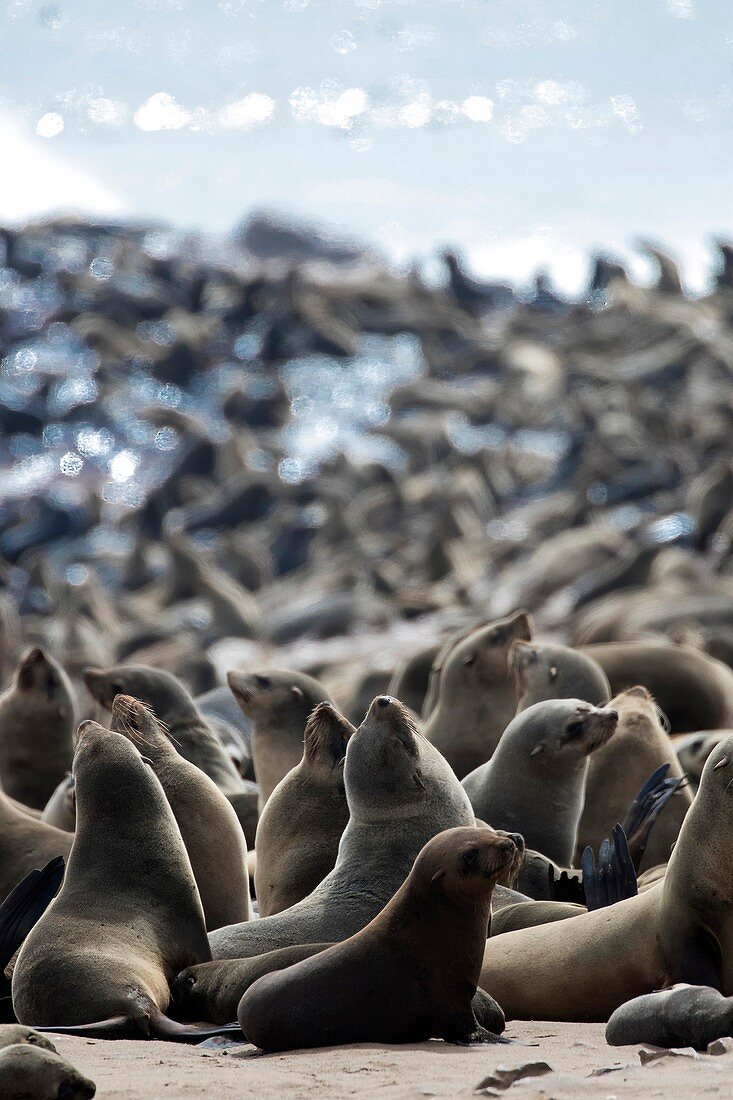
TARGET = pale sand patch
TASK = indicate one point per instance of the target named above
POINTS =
(125, 1070)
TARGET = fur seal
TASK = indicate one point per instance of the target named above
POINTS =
(400, 793)
(475, 693)
(410, 680)
(694, 691)
(388, 983)
(683, 1016)
(36, 730)
(213, 990)
(128, 917)
(32, 1072)
(693, 750)
(25, 844)
(544, 671)
(278, 703)
(617, 771)
(14, 1034)
(60, 810)
(535, 781)
(176, 708)
(211, 832)
(301, 826)
(679, 930)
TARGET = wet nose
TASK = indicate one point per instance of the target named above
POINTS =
(384, 701)
(612, 714)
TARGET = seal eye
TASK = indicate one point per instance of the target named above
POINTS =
(574, 729)
(470, 859)
(263, 681)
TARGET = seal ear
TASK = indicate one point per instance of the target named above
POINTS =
(439, 874)
(298, 692)
(537, 749)
(470, 659)
(553, 672)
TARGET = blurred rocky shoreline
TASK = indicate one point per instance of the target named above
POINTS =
(277, 447)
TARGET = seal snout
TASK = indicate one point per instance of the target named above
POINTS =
(383, 700)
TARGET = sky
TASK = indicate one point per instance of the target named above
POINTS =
(524, 132)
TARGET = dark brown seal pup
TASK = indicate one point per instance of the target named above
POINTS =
(475, 693)
(679, 930)
(128, 917)
(694, 691)
(209, 826)
(175, 706)
(29, 1072)
(683, 1016)
(544, 671)
(36, 730)
(617, 771)
(410, 975)
(535, 782)
(278, 703)
(300, 828)
(400, 792)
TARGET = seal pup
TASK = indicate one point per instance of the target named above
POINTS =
(128, 917)
(301, 825)
(694, 691)
(678, 930)
(543, 671)
(36, 730)
(209, 826)
(683, 1016)
(212, 990)
(400, 793)
(388, 983)
(475, 693)
(535, 782)
(617, 771)
(277, 702)
(33, 1072)
(175, 706)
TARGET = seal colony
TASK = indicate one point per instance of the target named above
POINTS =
(397, 749)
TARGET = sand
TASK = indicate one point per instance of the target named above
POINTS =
(129, 1070)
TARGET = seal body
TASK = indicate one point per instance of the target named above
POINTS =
(301, 825)
(400, 793)
(173, 705)
(36, 730)
(694, 691)
(128, 916)
(474, 693)
(388, 983)
(209, 827)
(535, 782)
(25, 844)
(28, 1071)
(683, 1016)
(212, 990)
(556, 672)
(618, 770)
(277, 702)
(679, 930)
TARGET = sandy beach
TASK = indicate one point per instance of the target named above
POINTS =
(582, 1064)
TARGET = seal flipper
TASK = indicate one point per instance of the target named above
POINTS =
(25, 905)
(488, 1013)
(153, 1025)
(613, 878)
(645, 808)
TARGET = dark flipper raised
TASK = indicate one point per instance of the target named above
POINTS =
(24, 906)
(613, 877)
(643, 811)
